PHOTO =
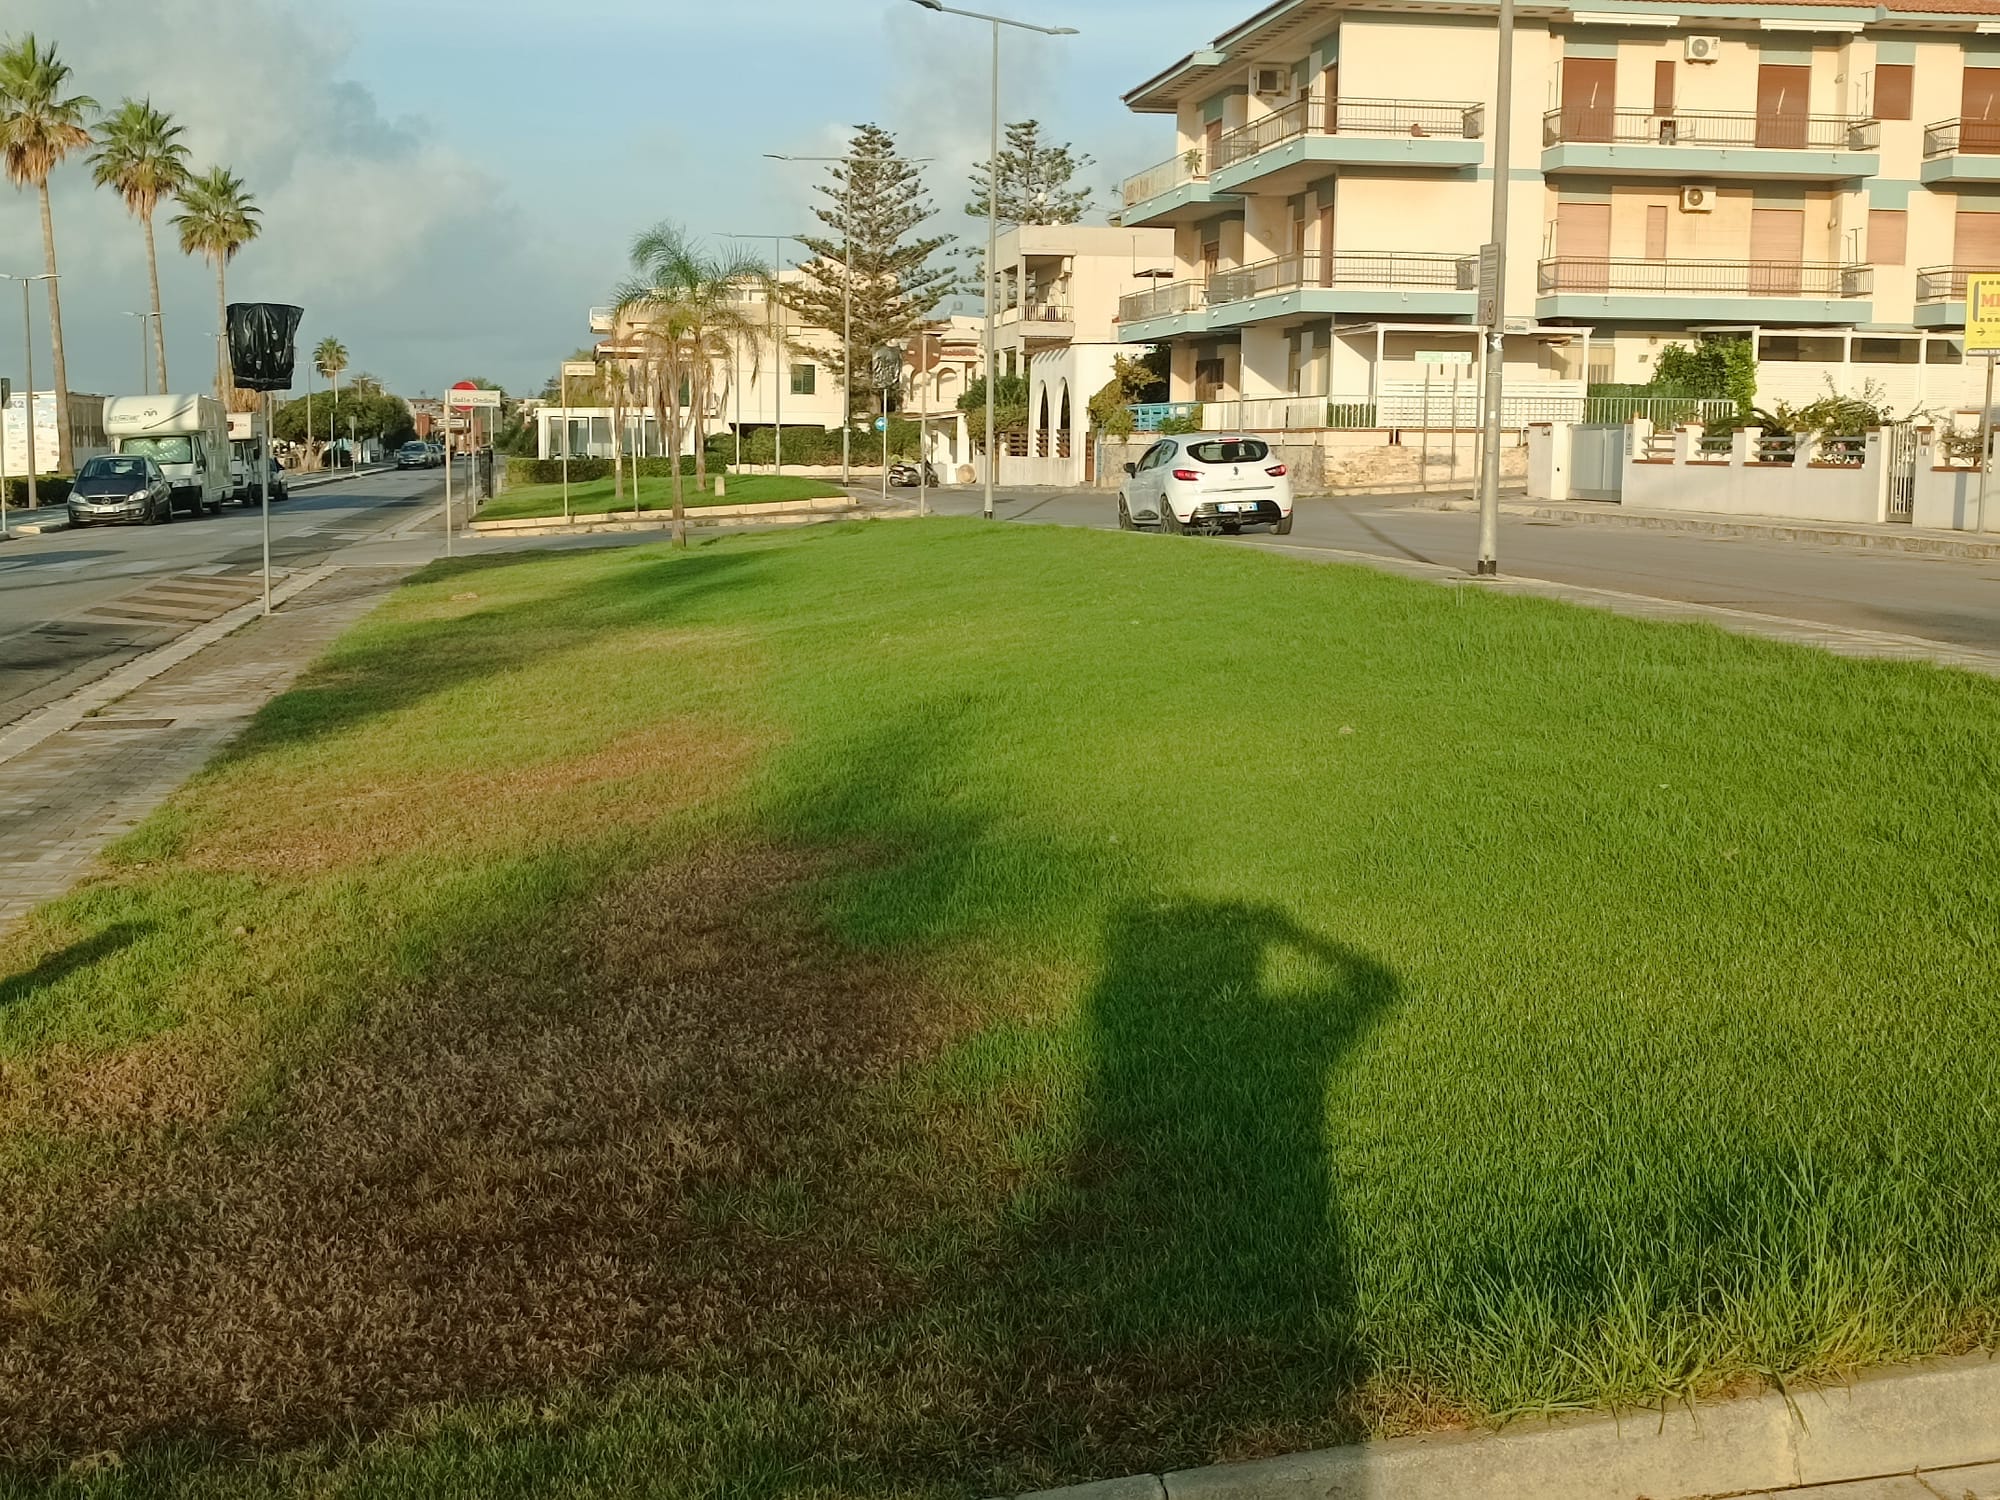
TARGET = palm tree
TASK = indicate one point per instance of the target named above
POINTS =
(689, 312)
(39, 130)
(217, 219)
(141, 158)
(330, 358)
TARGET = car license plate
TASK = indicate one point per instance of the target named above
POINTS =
(1239, 505)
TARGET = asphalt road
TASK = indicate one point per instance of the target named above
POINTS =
(76, 604)
(1940, 599)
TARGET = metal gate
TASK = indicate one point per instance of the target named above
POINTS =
(1899, 451)
(1597, 461)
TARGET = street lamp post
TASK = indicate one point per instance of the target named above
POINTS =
(774, 315)
(1496, 332)
(145, 361)
(846, 293)
(993, 212)
(28, 373)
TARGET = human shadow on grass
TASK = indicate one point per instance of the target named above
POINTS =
(1180, 1283)
(393, 670)
(1194, 1280)
(59, 965)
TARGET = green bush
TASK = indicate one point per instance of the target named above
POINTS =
(522, 471)
(50, 489)
(1189, 423)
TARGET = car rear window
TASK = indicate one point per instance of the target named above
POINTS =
(1230, 451)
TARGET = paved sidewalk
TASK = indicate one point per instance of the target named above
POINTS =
(100, 778)
(1863, 536)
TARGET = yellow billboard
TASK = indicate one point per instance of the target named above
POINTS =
(1982, 313)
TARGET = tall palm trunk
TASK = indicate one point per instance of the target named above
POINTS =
(673, 432)
(65, 440)
(159, 328)
(222, 328)
(618, 447)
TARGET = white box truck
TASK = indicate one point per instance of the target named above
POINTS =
(187, 436)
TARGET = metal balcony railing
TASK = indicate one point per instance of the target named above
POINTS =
(1577, 124)
(1947, 283)
(1410, 117)
(1388, 269)
(1189, 166)
(1704, 278)
(1163, 301)
(1962, 138)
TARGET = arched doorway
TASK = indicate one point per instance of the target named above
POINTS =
(1062, 424)
(1042, 426)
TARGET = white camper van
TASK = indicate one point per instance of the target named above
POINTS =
(187, 436)
(246, 449)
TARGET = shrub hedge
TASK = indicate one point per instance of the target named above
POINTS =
(523, 471)
(50, 489)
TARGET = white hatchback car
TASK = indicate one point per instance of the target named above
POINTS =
(1206, 482)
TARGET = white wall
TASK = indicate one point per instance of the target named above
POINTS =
(1799, 491)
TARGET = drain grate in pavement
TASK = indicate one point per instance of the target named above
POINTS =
(122, 724)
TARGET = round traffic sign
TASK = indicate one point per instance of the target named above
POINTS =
(881, 424)
(463, 385)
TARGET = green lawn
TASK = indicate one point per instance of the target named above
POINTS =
(939, 1009)
(595, 499)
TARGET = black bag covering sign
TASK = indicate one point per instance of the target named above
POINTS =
(260, 344)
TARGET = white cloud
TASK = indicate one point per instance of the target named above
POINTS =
(392, 239)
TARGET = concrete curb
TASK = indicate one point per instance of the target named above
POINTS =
(1937, 1416)
(44, 723)
(790, 512)
(1772, 528)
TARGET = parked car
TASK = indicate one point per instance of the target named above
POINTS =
(437, 454)
(413, 456)
(116, 487)
(1207, 482)
(281, 485)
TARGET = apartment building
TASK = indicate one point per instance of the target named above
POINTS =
(780, 375)
(1058, 291)
(1817, 176)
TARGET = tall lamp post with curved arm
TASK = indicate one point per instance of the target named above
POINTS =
(993, 210)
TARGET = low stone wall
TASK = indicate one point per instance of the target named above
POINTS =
(1336, 460)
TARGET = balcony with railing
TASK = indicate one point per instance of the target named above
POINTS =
(1941, 294)
(1792, 291)
(1708, 143)
(1161, 311)
(1346, 281)
(1961, 151)
(1297, 141)
(1175, 191)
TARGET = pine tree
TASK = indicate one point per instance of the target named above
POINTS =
(1034, 180)
(874, 205)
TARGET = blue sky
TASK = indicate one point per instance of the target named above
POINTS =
(449, 185)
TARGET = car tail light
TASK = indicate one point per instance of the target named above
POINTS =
(1276, 471)
(1187, 474)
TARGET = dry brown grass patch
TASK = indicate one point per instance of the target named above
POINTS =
(630, 781)
(564, 1162)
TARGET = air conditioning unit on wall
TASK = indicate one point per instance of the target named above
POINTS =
(1272, 83)
(1697, 200)
(1703, 48)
